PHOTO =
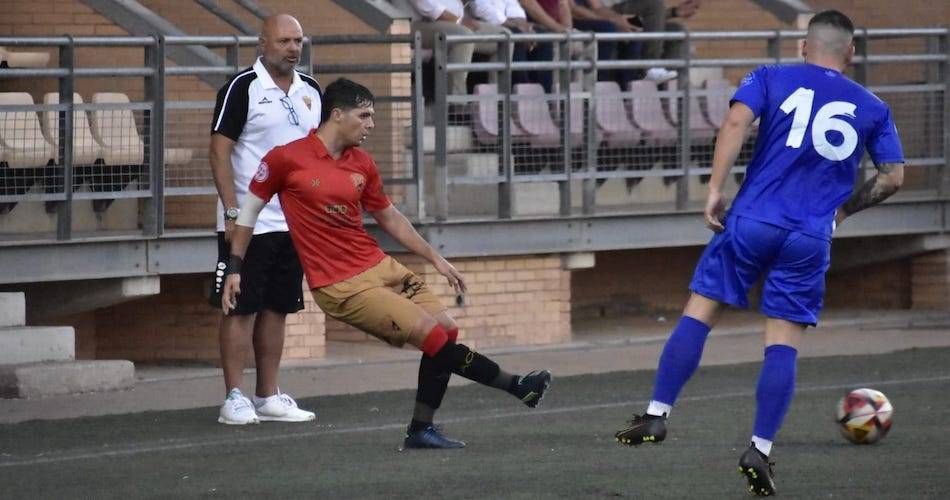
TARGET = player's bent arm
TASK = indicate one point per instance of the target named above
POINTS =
(219, 154)
(889, 178)
(391, 220)
(243, 230)
(396, 224)
(729, 141)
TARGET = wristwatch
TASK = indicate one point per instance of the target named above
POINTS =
(231, 213)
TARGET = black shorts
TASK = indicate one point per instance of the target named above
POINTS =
(271, 278)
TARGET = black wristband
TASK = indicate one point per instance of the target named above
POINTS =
(234, 265)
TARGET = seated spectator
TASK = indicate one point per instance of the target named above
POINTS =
(510, 15)
(656, 18)
(431, 17)
(561, 16)
(592, 15)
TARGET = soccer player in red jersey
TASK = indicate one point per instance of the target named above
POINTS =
(324, 182)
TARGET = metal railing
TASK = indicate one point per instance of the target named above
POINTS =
(473, 161)
(582, 158)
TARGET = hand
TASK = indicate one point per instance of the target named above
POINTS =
(470, 23)
(687, 8)
(624, 24)
(715, 211)
(228, 230)
(232, 288)
(452, 274)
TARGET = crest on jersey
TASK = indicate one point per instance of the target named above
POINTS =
(358, 181)
(262, 173)
(307, 101)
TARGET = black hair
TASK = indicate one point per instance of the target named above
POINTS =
(345, 94)
(834, 19)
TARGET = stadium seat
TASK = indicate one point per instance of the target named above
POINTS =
(21, 136)
(485, 116)
(534, 115)
(701, 131)
(25, 154)
(116, 132)
(85, 148)
(611, 117)
(719, 91)
(647, 114)
(23, 59)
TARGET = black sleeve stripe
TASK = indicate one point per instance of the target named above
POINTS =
(232, 96)
(312, 81)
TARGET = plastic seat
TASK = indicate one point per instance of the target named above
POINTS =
(85, 148)
(534, 116)
(719, 92)
(23, 59)
(485, 116)
(611, 117)
(646, 111)
(116, 132)
(21, 136)
(699, 128)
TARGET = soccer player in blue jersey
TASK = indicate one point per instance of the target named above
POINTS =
(815, 126)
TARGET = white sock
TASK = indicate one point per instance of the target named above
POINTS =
(763, 445)
(658, 409)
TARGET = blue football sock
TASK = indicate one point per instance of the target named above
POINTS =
(776, 387)
(680, 358)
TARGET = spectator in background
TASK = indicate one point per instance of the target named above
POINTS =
(563, 16)
(431, 17)
(510, 15)
(656, 18)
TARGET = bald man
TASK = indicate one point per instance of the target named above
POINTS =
(264, 106)
(815, 126)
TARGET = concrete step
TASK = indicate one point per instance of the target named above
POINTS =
(12, 309)
(28, 344)
(457, 138)
(37, 380)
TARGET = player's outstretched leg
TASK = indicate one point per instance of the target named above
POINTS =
(678, 362)
(461, 360)
(422, 433)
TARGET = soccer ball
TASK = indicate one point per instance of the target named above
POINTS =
(864, 416)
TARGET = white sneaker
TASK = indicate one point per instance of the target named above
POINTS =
(281, 408)
(660, 75)
(237, 410)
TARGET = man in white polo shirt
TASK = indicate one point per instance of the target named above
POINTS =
(267, 105)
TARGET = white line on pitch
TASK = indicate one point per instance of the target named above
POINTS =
(189, 444)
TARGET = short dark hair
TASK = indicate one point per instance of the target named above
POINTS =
(834, 19)
(345, 94)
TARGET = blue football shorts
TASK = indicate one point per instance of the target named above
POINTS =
(794, 266)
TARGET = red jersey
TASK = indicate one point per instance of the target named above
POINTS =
(323, 200)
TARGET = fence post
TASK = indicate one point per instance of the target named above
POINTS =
(682, 187)
(154, 213)
(506, 189)
(943, 188)
(564, 107)
(441, 113)
(67, 85)
(418, 126)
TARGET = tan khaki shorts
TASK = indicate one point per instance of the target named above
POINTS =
(386, 301)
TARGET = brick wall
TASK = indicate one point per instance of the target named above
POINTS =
(657, 281)
(930, 275)
(510, 301)
(178, 325)
(633, 281)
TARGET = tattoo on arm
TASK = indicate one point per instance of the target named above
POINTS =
(873, 191)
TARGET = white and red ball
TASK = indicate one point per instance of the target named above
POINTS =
(864, 416)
